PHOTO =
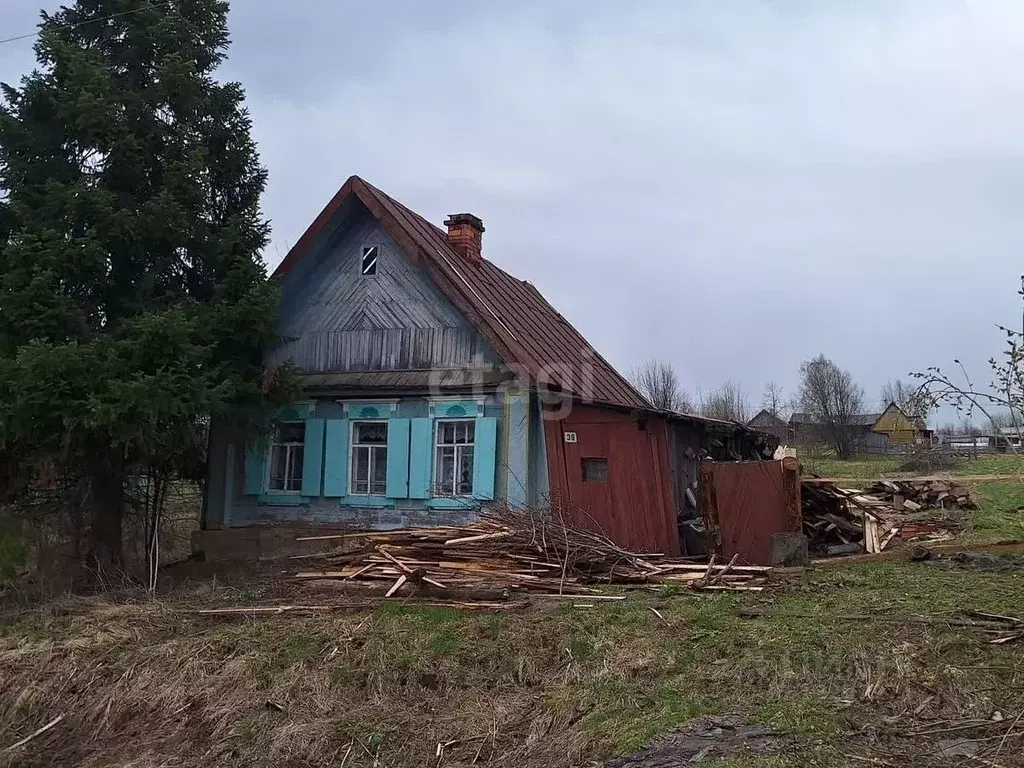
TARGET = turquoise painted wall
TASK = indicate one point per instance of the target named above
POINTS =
(242, 499)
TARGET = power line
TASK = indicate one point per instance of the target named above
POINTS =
(148, 7)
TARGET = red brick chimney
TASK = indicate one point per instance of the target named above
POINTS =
(466, 234)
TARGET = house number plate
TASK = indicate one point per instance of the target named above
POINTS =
(570, 437)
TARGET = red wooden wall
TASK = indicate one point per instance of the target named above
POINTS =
(633, 507)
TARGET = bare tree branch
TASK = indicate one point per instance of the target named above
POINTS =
(727, 403)
(830, 396)
(774, 400)
(657, 381)
(909, 397)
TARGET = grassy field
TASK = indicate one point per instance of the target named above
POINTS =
(842, 675)
(868, 466)
(853, 664)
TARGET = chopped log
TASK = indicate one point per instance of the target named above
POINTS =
(789, 550)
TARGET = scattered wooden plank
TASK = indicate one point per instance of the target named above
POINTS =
(657, 613)
(1007, 639)
(34, 734)
(871, 545)
(888, 538)
(361, 571)
(995, 617)
(264, 610)
(610, 598)
(481, 537)
(719, 575)
(397, 585)
(516, 550)
(755, 569)
(844, 549)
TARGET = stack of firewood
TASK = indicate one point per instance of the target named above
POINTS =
(515, 550)
(914, 495)
(841, 521)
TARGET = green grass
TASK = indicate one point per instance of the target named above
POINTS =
(525, 687)
(991, 464)
(862, 466)
(999, 516)
(867, 466)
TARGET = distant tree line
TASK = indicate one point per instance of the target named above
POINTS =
(826, 395)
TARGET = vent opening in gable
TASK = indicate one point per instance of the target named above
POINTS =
(369, 263)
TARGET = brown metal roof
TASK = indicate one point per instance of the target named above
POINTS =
(520, 324)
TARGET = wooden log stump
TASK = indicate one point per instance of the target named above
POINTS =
(789, 550)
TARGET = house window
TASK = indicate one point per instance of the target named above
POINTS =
(595, 470)
(453, 468)
(286, 455)
(369, 264)
(369, 458)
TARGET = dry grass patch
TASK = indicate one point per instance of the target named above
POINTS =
(148, 684)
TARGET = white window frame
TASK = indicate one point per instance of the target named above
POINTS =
(373, 448)
(376, 260)
(289, 458)
(457, 446)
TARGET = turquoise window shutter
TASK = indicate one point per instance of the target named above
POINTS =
(256, 467)
(421, 448)
(336, 458)
(485, 457)
(313, 457)
(398, 459)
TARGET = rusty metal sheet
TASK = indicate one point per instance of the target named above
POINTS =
(744, 503)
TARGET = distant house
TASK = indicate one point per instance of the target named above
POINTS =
(766, 421)
(900, 428)
(805, 428)
(434, 383)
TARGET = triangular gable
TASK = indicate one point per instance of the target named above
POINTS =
(893, 418)
(520, 325)
(765, 417)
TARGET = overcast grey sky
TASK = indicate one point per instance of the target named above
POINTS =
(734, 186)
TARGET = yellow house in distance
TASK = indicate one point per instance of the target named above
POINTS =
(900, 428)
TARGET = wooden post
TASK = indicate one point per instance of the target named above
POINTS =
(709, 507)
(791, 494)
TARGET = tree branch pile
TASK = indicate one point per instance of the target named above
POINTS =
(518, 550)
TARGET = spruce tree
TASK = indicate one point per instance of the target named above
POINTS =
(134, 302)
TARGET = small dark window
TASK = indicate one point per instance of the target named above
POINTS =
(595, 470)
(370, 260)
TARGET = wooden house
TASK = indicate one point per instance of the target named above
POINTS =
(900, 428)
(806, 429)
(434, 383)
(766, 421)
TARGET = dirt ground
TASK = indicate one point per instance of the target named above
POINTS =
(705, 741)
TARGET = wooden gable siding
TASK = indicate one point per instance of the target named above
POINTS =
(895, 423)
(336, 319)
